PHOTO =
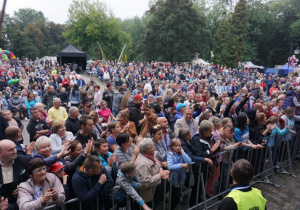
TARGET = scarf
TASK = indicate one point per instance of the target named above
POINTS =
(151, 157)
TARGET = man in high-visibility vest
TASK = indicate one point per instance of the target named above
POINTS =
(242, 196)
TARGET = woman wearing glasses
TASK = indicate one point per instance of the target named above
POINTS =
(42, 189)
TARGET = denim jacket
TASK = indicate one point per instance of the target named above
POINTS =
(175, 162)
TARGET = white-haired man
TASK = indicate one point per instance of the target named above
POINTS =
(57, 112)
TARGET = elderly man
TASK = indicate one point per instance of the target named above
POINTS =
(57, 112)
(186, 122)
(72, 124)
(168, 134)
(12, 168)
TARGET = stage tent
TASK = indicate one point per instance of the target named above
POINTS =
(71, 55)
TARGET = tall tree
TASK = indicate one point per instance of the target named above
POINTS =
(222, 42)
(173, 32)
(238, 32)
(27, 15)
(89, 22)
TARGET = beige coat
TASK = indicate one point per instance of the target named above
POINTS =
(26, 192)
(149, 173)
(181, 123)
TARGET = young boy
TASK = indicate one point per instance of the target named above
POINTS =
(129, 180)
(242, 196)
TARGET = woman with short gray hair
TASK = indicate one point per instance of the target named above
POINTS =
(149, 168)
(44, 150)
(203, 148)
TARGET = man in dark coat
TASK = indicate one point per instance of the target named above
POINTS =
(135, 112)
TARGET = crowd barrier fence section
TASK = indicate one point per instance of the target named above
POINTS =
(277, 156)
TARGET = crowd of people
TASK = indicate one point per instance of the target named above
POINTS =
(150, 124)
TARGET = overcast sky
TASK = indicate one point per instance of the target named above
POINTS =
(57, 10)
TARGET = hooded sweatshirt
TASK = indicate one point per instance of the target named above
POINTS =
(87, 188)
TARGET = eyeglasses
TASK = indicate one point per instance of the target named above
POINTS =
(39, 170)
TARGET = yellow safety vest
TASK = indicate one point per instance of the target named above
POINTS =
(251, 200)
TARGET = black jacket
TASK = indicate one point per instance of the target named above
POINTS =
(84, 139)
(34, 126)
(189, 150)
(135, 114)
(3, 126)
(72, 125)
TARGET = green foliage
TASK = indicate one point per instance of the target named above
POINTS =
(26, 16)
(173, 32)
(238, 32)
(88, 23)
(222, 42)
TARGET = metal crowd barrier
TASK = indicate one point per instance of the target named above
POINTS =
(277, 156)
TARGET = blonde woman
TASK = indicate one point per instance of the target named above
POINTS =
(59, 136)
(211, 104)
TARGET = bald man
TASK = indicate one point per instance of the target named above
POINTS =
(12, 166)
(14, 133)
(168, 134)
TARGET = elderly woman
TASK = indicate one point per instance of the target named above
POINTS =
(126, 125)
(125, 151)
(204, 148)
(59, 136)
(185, 138)
(42, 114)
(42, 189)
(149, 168)
(160, 147)
(44, 150)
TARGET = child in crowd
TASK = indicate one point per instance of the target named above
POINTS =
(177, 160)
(114, 130)
(107, 159)
(129, 180)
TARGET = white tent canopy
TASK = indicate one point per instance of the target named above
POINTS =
(200, 61)
(48, 58)
(250, 65)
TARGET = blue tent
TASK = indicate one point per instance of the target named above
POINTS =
(285, 69)
(272, 71)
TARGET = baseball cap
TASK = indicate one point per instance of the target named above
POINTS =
(55, 167)
(180, 105)
(137, 96)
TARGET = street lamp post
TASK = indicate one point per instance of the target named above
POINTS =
(296, 51)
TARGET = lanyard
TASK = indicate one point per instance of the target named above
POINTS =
(240, 188)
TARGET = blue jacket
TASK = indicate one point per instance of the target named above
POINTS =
(177, 116)
(30, 104)
(5, 103)
(87, 188)
(81, 83)
(288, 102)
(74, 99)
(275, 131)
(175, 162)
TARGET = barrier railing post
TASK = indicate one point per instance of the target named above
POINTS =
(164, 199)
